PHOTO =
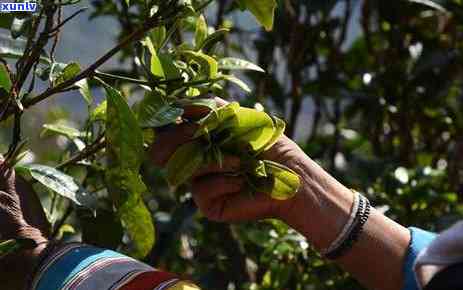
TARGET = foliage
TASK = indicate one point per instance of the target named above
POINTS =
(371, 90)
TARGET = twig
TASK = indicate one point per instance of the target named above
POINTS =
(90, 71)
(61, 24)
(16, 134)
(56, 36)
(88, 151)
(36, 50)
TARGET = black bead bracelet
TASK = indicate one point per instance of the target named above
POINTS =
(361, 218)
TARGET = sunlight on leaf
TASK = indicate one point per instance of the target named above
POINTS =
(125, 155)
(263, 10)
(62, 184)
(231, 63)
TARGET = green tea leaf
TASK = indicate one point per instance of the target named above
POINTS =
(5, 81)
(217, 119)
(263, 10)
(68, 72)
(238, 82)
(84, 90)
(62, 184)
(260, 169)
(126, 188)
(163, 66)
(282, 183)
(209, 66)
(280, 127)
(231, 63)
(153, 112)
(209, 43)
(211, 104)
(125, 152)
(251, 128)
(63, 130)
(123, 135)
(201, 31)
(158, 36)
(99, 114)
(184, 162)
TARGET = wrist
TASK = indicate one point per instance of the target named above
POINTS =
(321, 207)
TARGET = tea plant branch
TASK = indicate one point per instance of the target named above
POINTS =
(152, 22)
(33, 57)
(61, 24)
(156, 83)
(96, 146)
(56, 35)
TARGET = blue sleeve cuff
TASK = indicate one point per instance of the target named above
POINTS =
(420, 239)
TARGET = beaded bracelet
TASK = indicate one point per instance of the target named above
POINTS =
(361, 217)
(347, 227)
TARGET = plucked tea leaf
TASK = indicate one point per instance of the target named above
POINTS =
(217, 119)
(282, 183)
(279, 130)
(184, 162)
(251, 128)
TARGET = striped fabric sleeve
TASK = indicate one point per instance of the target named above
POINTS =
(82, 267)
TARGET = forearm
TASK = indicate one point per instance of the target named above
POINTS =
(321, 209)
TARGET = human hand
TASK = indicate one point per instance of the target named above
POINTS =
(220, 191)
(21, 218)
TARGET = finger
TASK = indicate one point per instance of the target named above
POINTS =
(31, 207)
(237, 207)
(230, 164)
(196, 112)
(212, 186)
(167, 141)
(193, 112)
(220, 102)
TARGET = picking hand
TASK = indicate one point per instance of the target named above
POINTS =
(219, 190)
